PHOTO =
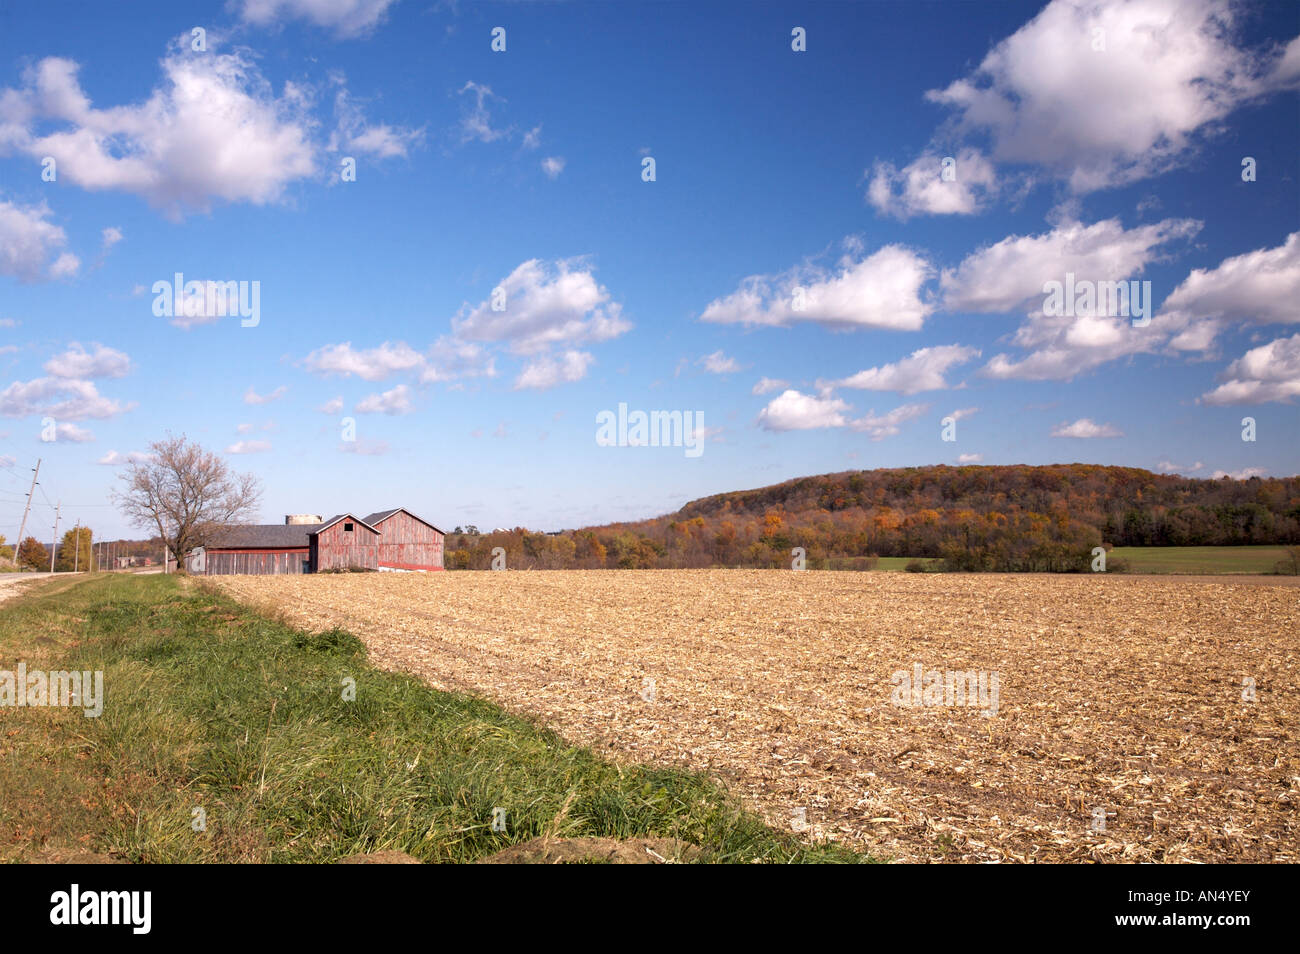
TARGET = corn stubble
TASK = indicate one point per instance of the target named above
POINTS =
(1120, 698)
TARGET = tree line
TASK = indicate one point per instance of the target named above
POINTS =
(1003, 518)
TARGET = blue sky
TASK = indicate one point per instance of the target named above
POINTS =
(1104, 139)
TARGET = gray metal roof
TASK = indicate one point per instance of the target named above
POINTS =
(264, 535)
(381, 515)
(272, 535)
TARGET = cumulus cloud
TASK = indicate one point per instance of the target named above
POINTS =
(882, 290)
(919, 188)
(719, 363)
(923, 370)
(394, 401)
(545, 304)
(969, 458)
(1011, 273)
(1085, 428)
(768, 385)
(31, 247)
(249, 447)
(547, 372)
(77, 362)
(332, 406)
(213, 129)
(1270, 372)
(252, 397)
(1260, 287)
(64, 399)
(71, 433)
(553, 166)
(347, 18)
(878, 427)
(369, 364)
(114, 459)
(1169, 467)
(794, 411)
(1107, 92)
(354, 134)
(1244, 474)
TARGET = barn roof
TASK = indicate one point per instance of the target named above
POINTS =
(266, 535)
(343, 516)
(379, 516)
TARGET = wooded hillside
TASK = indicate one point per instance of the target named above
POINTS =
(975, 518)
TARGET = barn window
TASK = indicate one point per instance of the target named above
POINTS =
(347, 527)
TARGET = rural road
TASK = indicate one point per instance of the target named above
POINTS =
(11, 584)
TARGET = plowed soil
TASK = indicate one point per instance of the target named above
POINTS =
(1137, 719)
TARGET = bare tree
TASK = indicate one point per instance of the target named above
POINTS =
(186, 494)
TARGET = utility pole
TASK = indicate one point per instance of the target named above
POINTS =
(19, 542)
(76, 546)
(55, 543)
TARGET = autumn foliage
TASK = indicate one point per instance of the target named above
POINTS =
(1009, 518)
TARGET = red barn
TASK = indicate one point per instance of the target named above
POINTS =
(406, 542)
(342, 542)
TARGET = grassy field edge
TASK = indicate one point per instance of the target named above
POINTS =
(228, 736)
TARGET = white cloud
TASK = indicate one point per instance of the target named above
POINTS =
(547, 372)
(332, 406)
(1243, 474)
(553, 166)
(213, 129)
(719, 363)
(919, 188)
(450, 358)
(76, 362)
(476, 121)
(1169, 467)
(1259, 287)
(546, 304)
(1270, 372)
(347, 18)
(533, 138)
(63, 431)
(394, 401)
(252, 397)
(924, 370)
(1101, 118)
(28, 241)
(969, 458)
(64, 399)
(1085, 428)
(767, 385)
(880, 291)
(1011, 273)
(795, 411)
(963, 412)
(114, 459)
(110, 237)
(371, 364)
(354, 134)
(249, 447)
(878, 427)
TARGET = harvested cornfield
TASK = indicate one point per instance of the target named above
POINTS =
(1091, 718)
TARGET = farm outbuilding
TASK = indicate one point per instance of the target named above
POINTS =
(406, 542)
(305, 543)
